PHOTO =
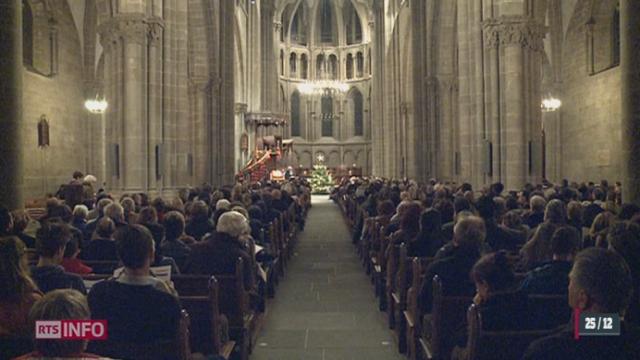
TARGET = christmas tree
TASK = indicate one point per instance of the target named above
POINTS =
(321, 181)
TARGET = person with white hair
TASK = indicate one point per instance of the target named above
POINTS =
(453, 268)
(535, 215)
(218, 252)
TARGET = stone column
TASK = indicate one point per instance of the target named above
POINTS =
(514, 44)
(11, 175)
(226, 172)
(492, 96)
(513, 131)
(269, 67)
(630, 68)
(154, 104)
(134, 151)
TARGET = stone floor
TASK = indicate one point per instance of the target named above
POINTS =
(325, 308)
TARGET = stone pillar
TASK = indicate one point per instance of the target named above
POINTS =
(269, 67)
(630, 68)
(514, 43)
(492, 96)
(134, 150)
(226, 90)
(514, 150)
(154, 104)
(11, 173)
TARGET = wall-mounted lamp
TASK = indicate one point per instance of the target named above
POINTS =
(551, 104)
(96, 106)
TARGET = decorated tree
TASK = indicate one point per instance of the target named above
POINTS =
(321, 181)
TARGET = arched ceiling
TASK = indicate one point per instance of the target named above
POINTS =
(363, 6)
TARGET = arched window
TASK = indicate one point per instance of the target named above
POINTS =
(326, 22)
(27, 34)
(360, 63)
(358, 113)
(282, 62)
(349, 66)
(615, 36)
(299, 26)
(333, 66)
(369, 63)
(304, 66)
(326, 105)
(320, 66)
(295, 113)
(603, 37)
(354, 25)
(293, 64)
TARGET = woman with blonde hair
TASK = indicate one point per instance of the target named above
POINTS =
(18, 292)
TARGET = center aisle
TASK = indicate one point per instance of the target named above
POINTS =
(325, 308)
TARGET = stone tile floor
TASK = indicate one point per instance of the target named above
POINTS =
(325, 308)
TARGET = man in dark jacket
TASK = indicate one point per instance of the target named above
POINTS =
(497, 237)
(453, 270)
(51, 240)
(218, 252)
(599, 283)
(552, 278)
(139, 308)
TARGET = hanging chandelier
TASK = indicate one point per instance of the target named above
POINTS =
(96, 106)
(551, 104)
(323, 85)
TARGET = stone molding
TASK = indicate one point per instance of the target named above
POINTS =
(131, 28)
(514, 31)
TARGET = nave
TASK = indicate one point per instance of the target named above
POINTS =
(325, 308)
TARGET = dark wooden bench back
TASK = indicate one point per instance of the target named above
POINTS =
(233, 300)
(177, 348)
(205, 316)
(505, 345)
(549, 311)
(102, 266)
(447, 317)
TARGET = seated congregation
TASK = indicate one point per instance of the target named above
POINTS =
(223, 249)
(494, 274)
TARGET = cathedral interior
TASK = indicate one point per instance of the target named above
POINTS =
(474, 165)
(471, 90)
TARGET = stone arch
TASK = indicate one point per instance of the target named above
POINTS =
(349, 158)
(334, 159)
(306, 160)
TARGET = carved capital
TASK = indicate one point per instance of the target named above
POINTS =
(241, 108)
(200, 84)
(134, 31)
(156, 28)
(514, 31)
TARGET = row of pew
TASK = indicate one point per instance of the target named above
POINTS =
(397, 280)
(207, 300)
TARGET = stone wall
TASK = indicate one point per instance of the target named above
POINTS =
(60, 98)
(590, 115)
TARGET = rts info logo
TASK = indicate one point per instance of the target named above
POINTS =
(72, 329)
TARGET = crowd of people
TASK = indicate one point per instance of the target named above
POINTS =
(577, 240)
(199, 231)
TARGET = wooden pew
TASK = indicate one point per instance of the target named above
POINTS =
(399, 297)
(505, 345)
(393, 298)
(233, 302)
(379, 262)
(102, 266)
(549, 311)
(177, 348)
(447, 316)
(413, 314)
(199, 296)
